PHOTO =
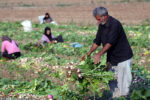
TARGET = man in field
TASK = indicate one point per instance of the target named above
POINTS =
(119, 54)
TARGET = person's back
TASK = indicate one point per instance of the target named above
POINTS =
(10, 47)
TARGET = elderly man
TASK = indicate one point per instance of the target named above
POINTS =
(119, 54)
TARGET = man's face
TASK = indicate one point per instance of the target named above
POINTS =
(101, 19)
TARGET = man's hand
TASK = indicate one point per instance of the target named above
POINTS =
(97, 58)
(93, 48)
(83, 57)
(98, 55)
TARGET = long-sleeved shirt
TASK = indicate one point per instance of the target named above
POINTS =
(45, 38)
(9, 47)
(113, 33)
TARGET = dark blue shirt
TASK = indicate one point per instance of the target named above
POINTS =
(112, 32)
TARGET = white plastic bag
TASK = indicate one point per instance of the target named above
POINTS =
(27, 26)
(41, 19)
(54, 23)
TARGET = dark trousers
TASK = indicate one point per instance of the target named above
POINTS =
(59, 38)
(11, 56)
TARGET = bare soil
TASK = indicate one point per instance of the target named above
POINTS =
(78, 11)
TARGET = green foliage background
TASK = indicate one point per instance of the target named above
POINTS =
(33, 72)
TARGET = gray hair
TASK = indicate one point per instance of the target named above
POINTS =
(101, 11)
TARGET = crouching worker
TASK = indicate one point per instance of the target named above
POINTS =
(9, 48)
(48, 37)
(47, 18)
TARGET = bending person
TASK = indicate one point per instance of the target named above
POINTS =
(119, 53)
(9, 48)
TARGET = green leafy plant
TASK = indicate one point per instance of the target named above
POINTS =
(33, 73)
(94, 78)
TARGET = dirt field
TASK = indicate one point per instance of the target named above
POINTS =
(79, 11)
